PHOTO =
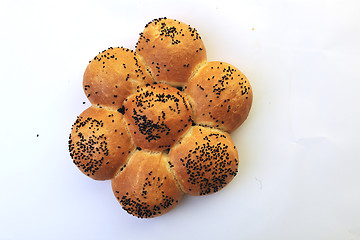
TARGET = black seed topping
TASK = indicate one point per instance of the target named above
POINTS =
(86, 152)
(122, 110)
(150, 100)
(213, 157)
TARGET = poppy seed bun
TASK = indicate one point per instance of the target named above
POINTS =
(160, 120)
(157, 116)
(172, 50)
(220, 96)
(113, 75)
(99, 143)
(145, 187)
(204, 161)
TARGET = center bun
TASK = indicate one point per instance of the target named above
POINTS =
(157, 116)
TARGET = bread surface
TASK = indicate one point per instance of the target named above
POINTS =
(145, 187)
(112, 76)
(172, 50)
(157, 116)
(220, 95)
(99, 142)
(204, 161)
(160, 121)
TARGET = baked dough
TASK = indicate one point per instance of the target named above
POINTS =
(160, 120)
(221, 96)
(145, 187)
(113, 75)
(157, 116)
(100, 143)
(172, 50)
(204, 161)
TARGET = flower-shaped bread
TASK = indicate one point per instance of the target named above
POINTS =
(160, 119)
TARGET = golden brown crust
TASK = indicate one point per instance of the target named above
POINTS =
(171, 49)
(204, 161)
(157, 116)
(145, 188)
(154, 142)
(112, 76)
(220, 96)
(99, 143)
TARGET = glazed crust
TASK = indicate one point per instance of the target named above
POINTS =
(204, 161)
(145, 187)
(157, 116)
(99, 143)
(112, 76)
(220, 96)
(172, 50)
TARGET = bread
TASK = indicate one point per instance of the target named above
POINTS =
(145, 187)
(157, 116)
(219, 89)
(172, 50)
(204, 161)
(160, 120)
(112, 76)
(99, 142)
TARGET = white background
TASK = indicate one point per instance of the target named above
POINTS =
(299, 176)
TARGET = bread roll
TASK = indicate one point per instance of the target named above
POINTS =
(204, 161)
(157, 116)
(99, 143)
(145, 187)
(112, 76)
(172, 50)
(220, 96)
(154, 141)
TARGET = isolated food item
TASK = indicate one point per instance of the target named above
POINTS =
(171, 50)
(160, 121)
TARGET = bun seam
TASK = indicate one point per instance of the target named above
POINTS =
(146, 66)
(197, 69)
(98, 106)
(122, 167)
(166, 156)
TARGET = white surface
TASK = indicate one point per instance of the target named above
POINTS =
(300, 171)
